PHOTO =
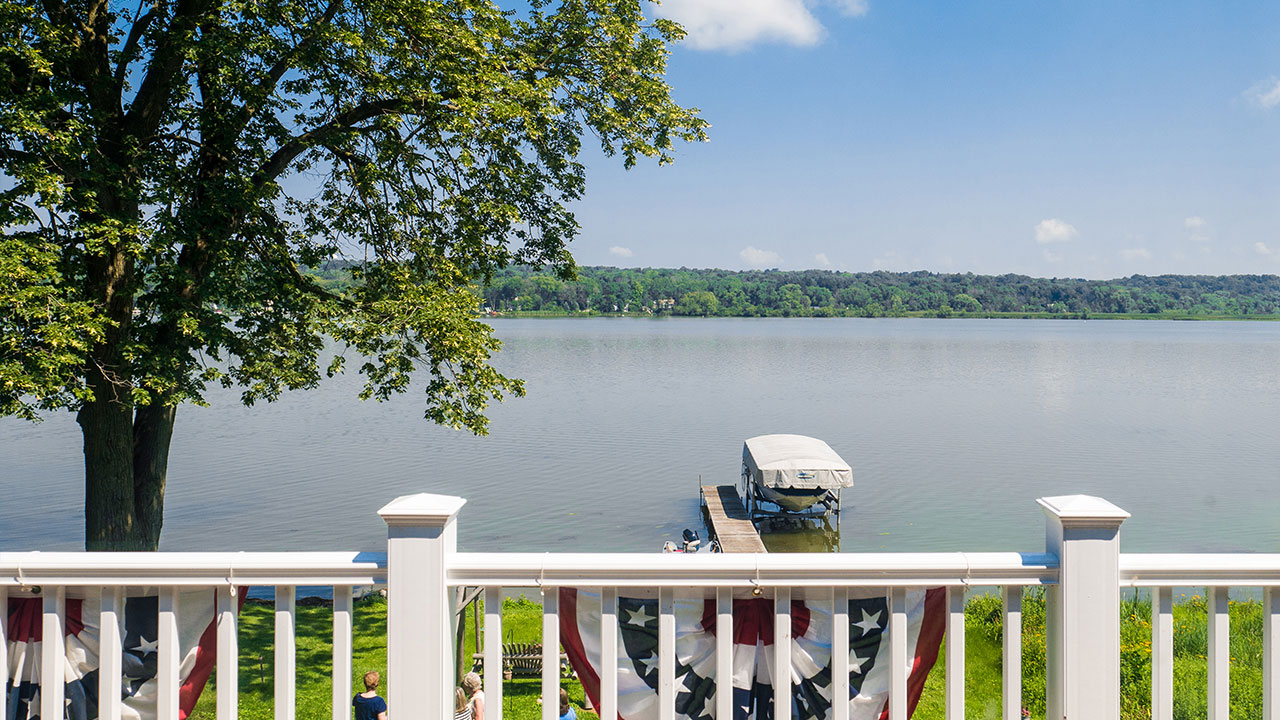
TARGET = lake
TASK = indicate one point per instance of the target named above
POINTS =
(953, 429)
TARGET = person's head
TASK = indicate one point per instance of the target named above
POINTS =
(460, 700)
(371, 680)
(471, 683)
(564, 701)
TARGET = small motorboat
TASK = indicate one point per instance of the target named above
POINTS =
(799, 475)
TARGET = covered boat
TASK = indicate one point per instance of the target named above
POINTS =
(793, 472)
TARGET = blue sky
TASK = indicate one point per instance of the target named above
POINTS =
(1054, 139)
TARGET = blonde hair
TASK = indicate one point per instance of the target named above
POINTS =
(371, 680)
(471, 683)
(460, 700)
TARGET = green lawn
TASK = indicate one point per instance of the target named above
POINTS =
(522, 622)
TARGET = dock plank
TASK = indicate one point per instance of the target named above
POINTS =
(728, 520)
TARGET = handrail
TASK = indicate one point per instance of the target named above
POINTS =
(191, 568)
(1199, 569)
(751, 570)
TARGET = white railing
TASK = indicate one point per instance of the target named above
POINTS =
(110, 577)
(1081, 570)
(1217, 573)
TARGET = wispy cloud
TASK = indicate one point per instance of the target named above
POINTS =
(1265, 94)
(1054, 230)
(738, 24)
(852, 8)
(1194, 222)
(822, 259)
(1262, 248)
(757, 258)
(1136, 254)
(620, 251)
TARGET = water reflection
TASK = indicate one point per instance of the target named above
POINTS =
(781, 535)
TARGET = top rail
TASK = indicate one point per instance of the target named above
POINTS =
(192, 568)
(743, 570)
(1196, 569)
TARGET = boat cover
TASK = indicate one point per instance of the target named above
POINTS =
(794, 461)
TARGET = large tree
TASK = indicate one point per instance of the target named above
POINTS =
(172, 170)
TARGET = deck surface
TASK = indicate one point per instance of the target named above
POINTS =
(727, 518)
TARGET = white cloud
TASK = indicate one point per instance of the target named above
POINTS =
(822, 259)
(851, 8)
(738, 24)
(1136, 254)
(1265, 94)
(1051, 256)
(620, 251)
(1054, 230)
(1194, 222)
(756, 258)
(1262, 249)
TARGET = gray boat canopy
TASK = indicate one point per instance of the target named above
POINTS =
(794, 461)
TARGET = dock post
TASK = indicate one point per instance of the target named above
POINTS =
(1082, 612)
(421, 535)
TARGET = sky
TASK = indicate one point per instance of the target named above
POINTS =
(1049, 138)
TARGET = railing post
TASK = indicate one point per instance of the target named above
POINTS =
(421, 535)
(1082, 613)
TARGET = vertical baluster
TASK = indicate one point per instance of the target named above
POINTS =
(4, 651)
(493, 666)
(54, 660)
(228, 660)
(550, 653)
(1219, 654)
(840, 653)
(342, 623)
(286, 653)
(168, 654)
(609, 653)
(666, 654)
(724, 652)
(782, 654)
(110, 661)
(1162, 653)
(955, 652)
(1270, 653)
(1011, 681)
(899, 665)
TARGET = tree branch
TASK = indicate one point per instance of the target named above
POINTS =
(162, 75)
(131, 46)
(282, 65)
(288, 152)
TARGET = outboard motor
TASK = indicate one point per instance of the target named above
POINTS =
(691, 540)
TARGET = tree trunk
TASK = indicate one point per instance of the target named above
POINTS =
(107, 425)
(152, 431)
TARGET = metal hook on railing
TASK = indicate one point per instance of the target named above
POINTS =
(967, 569)
(756, 590)
(542, 572)
(231, 579)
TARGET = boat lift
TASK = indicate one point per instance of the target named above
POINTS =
(793, 477)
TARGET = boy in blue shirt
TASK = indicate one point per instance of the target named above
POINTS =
(368, 706)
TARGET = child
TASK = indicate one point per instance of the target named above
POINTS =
(566, 710)
(461, 708)
(368, 706)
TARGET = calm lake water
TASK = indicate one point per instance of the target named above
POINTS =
(953, 429)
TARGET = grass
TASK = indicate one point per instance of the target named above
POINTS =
(522, 622)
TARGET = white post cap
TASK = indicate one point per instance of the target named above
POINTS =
(421, 509)
(1082, 511)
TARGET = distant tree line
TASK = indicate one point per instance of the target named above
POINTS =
(824, 293)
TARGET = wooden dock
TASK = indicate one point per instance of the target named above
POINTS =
(727, 518)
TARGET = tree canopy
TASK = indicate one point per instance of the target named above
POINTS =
(827, 293)
(170, 170)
